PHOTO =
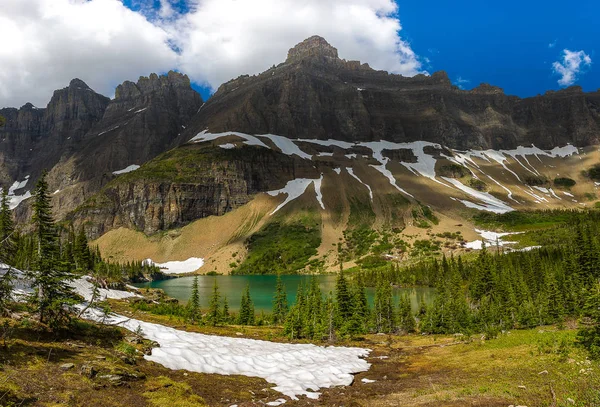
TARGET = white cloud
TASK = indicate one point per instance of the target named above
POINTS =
(552, 44)
(571, 65)
(49, 42)
(104, 43)
(225, 38)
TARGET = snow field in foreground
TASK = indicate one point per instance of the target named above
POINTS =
(295, 369)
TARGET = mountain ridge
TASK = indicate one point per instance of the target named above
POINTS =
(375, 149)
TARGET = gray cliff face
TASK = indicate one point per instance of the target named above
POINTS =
(188, 183)
(81, 137)
(35, 139)
(314, 94)
(144, 120)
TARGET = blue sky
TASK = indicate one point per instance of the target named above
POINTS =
(504, 43)
(509, 43)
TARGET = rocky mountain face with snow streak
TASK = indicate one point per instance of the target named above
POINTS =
(81, 137)
(315, 94)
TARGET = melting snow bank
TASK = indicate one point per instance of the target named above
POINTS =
(15, 200)
(296, 369)
(489, 202)
(491, 239)
(85, 288)
(178, 267)
(127, 169)
(297, 187)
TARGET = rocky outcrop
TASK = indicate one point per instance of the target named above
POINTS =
(144, 120)
(34, 139)
(186, 184)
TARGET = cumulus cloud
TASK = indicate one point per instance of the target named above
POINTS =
(222, 39)
(571, 65)
(49, 42)
(103, 42)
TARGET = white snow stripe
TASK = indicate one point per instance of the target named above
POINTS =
(350, 171)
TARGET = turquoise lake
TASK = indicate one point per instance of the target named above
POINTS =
(262, 289)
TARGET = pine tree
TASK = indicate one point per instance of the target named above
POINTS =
(343, 297)
(246, 316)
(384, 313)
(280, 304)
(193, 304)
(406, 318)
(225, 315)
(82, 252)
(8, 243)
(214, 315)
(51, 283)
(590, 337)
(6, 287)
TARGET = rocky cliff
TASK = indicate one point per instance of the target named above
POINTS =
(82, 137)
(315, 94)
(185, 184)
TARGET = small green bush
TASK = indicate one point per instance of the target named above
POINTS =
(564, 182)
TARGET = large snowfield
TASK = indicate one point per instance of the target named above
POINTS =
(295, 369)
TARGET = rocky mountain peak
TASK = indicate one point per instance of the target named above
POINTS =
(78, 83)
(314, 46)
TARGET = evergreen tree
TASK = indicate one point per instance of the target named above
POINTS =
(225, 315)
(406, 319)
(6, 287)
(214, 315)
(193, 304)
(384, 313)
(280, 304)
(8, 244)
(246, 316)
(343, 297)
(51, 283)
(590, 337)
(81, 251)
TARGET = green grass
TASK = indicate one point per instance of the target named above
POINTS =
(165, 392)
(594, 172)
(282, 247)
(525, 220)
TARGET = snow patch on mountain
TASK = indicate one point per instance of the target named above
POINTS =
(489, 202)
(490, 239)
(295, 188)
(178, 267)
(15, 200)
(127, 169)
(351, 172)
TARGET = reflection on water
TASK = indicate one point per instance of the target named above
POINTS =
(262, 289)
